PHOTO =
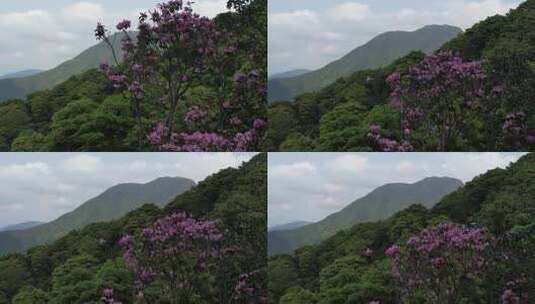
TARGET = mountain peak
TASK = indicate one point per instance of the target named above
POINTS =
(111, 204)
(380, 51)
(440, 179)
(379, 204)
(435, 27)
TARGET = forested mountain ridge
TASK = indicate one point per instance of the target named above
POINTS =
(380, 51)
(90, 58)
(87, 265)
(378, 205)
(341, 116)
(112, 204)
(352, 266)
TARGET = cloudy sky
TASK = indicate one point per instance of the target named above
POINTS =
(40, 34)
(43, 186)
(310, 33)
(310, 186)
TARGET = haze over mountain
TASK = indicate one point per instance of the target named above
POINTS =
(20, 74)
(88, 59)
(380, 51)
(111, 204)
(21, 226)
(379, 204)
(289, 74)
(289, 226)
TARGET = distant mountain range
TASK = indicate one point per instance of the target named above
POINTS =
(20, 226)
(20, 74)
(111, 204)
(289, 226)
(379, 204)
(88, 59)
(289, 74)
(380, 51)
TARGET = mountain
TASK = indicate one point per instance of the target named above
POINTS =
(289, 226)
(88, 59)
(24, 73)
(289, 74)
(379, 204)
(20, 226)
(380, 51)
(111, 204)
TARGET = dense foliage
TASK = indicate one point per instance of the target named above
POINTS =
(181, 82)
(475, 246)
(472, 95)
(213, 235)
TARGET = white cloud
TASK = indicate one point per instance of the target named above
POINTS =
(349, 11)
(26, 170)
(210, 8)
(296, 170)
(83, 163)
(348, 163)
(82, 12)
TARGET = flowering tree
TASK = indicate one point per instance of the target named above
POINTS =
(515, 131)
(173, 253)
(438, 261)
(249, 289)
(436, 99)
(512, 275)
(175, 50)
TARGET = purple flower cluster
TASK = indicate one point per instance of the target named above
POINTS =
(172, 250)
(515, 130)
(436, 96)
(118, 80)
(510, 297)
(195, 115)
(386, 144)
(100, 31)
(248, 288)
(206, 141)
(124, 25)
(439, 258)
(108, 296)
(367, 253)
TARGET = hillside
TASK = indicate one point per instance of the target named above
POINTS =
(379, 204)
(88, 59)
(78, 267)
(110, 205)
(21, 74)
(289, 74)
(380, 51)
(20, 226)
(289, 226)
(341, 268)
